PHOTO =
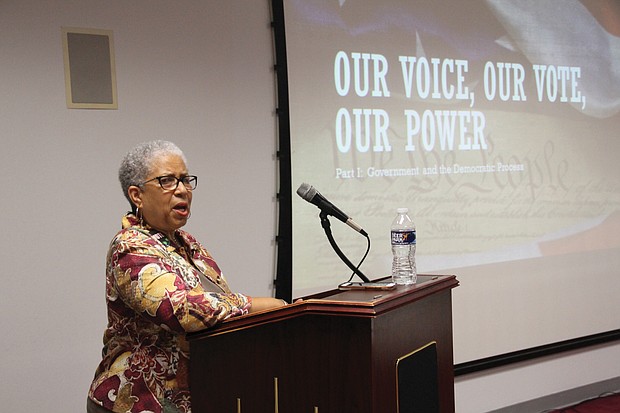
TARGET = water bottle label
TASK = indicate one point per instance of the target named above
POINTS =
(403, 237)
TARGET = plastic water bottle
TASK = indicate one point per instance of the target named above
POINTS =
(403, 248)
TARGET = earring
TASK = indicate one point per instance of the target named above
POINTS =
(139, 216)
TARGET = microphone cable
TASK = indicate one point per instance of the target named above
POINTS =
(357, 269)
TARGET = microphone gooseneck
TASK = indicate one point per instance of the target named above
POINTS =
(310, 194)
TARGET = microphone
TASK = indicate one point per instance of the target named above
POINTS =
(313, 196)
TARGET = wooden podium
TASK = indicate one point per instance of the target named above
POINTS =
(336, 352)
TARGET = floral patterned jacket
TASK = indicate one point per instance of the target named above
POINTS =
(154, 296)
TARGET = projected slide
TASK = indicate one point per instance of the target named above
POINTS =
(495, 122)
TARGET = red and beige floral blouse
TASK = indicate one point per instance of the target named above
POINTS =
(156, 291)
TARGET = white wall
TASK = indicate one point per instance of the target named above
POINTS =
(198, 73)
(517, 383)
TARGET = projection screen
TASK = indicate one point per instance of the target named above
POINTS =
(496, 123)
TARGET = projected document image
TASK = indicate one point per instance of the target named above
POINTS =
(496, 123)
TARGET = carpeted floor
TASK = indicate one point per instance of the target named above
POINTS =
(604, 404)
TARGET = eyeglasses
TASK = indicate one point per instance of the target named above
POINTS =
(171, 182)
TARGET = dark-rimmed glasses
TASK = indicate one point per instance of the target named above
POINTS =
(171, 182)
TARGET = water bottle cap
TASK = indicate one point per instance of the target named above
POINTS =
(402, 210)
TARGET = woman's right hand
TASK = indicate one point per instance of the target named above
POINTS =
(266, 303)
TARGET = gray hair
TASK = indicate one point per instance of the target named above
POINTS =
(136, 165)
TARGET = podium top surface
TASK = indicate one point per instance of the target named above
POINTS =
(360, 303)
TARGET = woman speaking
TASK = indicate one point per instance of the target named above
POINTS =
(161, 283)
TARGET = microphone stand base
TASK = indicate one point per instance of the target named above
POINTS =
(349, 285)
